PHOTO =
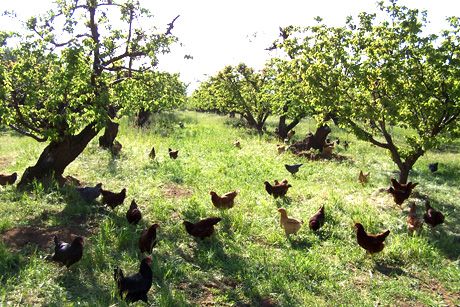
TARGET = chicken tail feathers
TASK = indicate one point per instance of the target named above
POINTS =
(383, 235)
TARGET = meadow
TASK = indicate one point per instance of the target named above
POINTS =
(248, 261)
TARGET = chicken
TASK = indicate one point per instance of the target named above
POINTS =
(371, 243)
(277, 190)
(89, 194)
(403, 186)
(116, 148)
(290, 134)
(181, 125)
(135, 286)
(363, 178)
(280, 148)
(401, 191)
(431, 216)
(8, 179)
(317, 220)
(173, 154)
(203, 228)
(66, 253)
(112, 199)
(433, 167)
(293, 168)
(148, 239)
(414, 223)
(327, 150)
(237, 144)
(289, 224)
(133, 215)
(225, 201)
(152, 154)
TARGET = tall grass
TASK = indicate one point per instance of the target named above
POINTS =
(249, 260)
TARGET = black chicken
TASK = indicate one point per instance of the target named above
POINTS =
(90, 193)
(135, 286)
(8, 179)
(294, 168)
(66, 253)
(432, 217)
(433, 167)
(203, 228)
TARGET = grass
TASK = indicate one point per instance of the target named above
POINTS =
(249, 260)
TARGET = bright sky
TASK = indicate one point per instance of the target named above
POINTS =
(219, 33)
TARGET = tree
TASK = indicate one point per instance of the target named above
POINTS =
(237, 89)
(381, 75)
(150, 92)
(57, 81)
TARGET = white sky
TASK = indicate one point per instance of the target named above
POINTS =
(218, 33)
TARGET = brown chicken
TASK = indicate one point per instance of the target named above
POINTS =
(8, 179)
(371, 243)
(401, 191)
(112, 199)
(203, 228)
(278, 189)
(327, 150)
(289, 224)
(133, 215)
(431, 216)
(237, 144)
(317, 220)
(290, 134)
(116, 148)
(225, 201)
(281, 148)
(363, 178)
(414, 223)
(152, 154)
(148, 239)
(173, 154)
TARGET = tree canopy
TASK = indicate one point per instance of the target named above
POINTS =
(381, 72)
(58, 78)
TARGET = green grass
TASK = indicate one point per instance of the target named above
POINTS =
(249, 259)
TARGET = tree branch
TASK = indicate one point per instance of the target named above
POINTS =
(29, 134)
(171, 26)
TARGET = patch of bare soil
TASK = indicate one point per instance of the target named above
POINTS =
(175, 191)
(450, 298)
(19, 237)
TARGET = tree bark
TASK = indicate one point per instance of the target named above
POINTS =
(57, 156)
(318, 140)
(110, 133)
(142, 118)
(283, 128)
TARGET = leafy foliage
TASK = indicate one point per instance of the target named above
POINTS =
(151, 91)
(382, 72)
(58, 78)
(238, 89)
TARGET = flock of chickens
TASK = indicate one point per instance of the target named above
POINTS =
(135, 287)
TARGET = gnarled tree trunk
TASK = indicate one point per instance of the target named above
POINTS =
(284, 128)
(57, 156)
(142, 117)
(318, 140)
(110, 133)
